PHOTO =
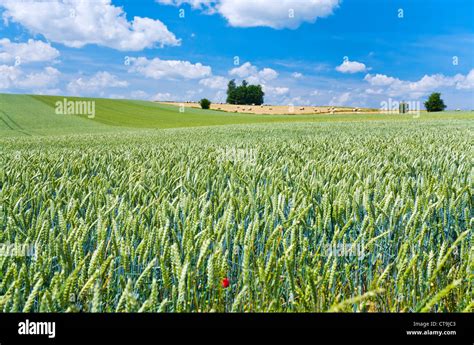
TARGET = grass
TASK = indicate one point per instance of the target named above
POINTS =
(25, 115)
(35, 115)
(147, 219)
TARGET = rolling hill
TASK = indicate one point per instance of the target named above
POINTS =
(25, 115)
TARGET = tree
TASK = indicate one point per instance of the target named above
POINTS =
(205, 103)
(244, 94)
(241, 93)
(255, 94)
(231, 87)
(435, 103)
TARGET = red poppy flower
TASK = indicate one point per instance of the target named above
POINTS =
(225, 283)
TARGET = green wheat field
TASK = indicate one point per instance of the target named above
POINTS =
(146, 209)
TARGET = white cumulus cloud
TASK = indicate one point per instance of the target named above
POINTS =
(168, 69)
(465, 82)
(193, 3)
(351, 67)
(47, 77)
(244, 71)
(98, 82)
(267, 74)
(8, 76)
(77, 23)
(276, 14)
(252, 74)
(275, 91)
(15, 77)
(215, 82)
(30, 51)
(380, 80)
(416, 89)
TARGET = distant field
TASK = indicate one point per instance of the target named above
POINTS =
(353, 213)
(276, 109)
(35, 115)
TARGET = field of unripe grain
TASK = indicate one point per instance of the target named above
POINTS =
(250, 217)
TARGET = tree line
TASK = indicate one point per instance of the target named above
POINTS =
(244, 94)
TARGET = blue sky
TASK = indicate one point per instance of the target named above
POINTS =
(320, 52)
